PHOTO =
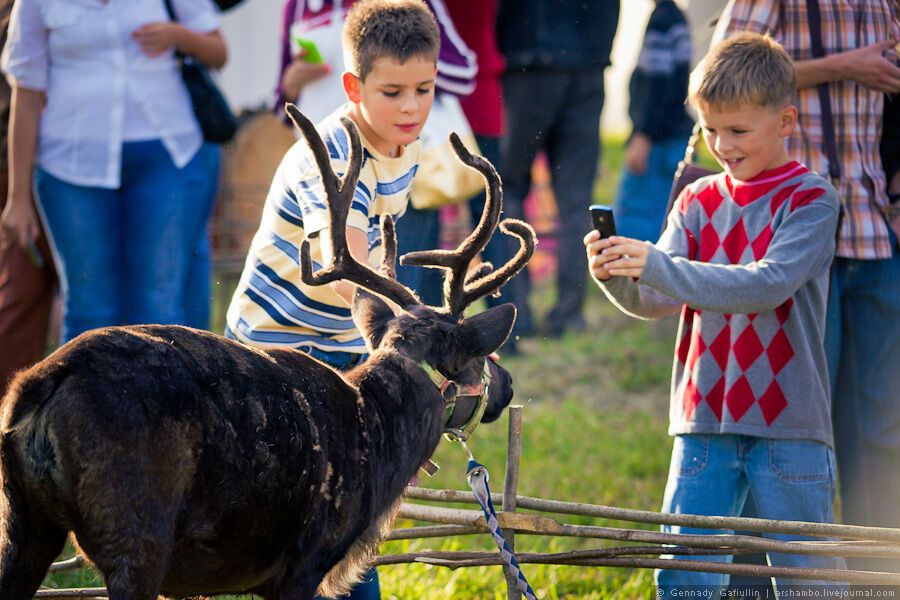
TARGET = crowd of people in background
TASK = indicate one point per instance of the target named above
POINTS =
(107, 187)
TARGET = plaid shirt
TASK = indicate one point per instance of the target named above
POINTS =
(857, 111)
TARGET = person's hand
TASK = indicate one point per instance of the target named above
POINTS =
(595, 246)
(299, 74)
(19, 221)
(870, 67)
(158, 38)
(625, 257)
(637, 152)
(894, 184)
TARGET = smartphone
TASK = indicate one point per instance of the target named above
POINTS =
(603, 220)
(312, 54)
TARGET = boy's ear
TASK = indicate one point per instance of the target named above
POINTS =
(351, 86)
(788, 120)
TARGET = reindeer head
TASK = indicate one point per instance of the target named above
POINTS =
(451, 347)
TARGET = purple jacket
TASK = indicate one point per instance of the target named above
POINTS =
(457, 64)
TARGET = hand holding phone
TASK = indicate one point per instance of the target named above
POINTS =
(604, 222)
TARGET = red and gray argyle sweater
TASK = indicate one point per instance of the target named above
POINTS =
(746, 263)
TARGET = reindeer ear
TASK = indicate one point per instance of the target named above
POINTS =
(487, 330)
(371, 315)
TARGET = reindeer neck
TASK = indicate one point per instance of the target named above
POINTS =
(409, 407)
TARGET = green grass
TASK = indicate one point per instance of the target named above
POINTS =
(595, 416)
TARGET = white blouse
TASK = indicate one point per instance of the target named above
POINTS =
(81, 53)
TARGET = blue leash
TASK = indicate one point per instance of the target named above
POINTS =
(477, 477)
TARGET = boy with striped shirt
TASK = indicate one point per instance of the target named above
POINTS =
(390, 52)
(391, 49)
(745, 260)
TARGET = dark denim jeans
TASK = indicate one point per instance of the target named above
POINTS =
(862, 344)
(123, 255)
(420, 230)
(558, 112)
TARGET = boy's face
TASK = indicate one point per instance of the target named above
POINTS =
(747, 139)
(393, 101)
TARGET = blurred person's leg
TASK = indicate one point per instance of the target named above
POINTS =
(198, 290)
(701, 464)
(640, 206)
(27, 289)
(573, 151)
(499, 249)
(532, 100)
(159, 231)
(82, 225)
(862, 340)
(420, 230)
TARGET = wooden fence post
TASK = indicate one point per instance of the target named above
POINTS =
(511, 486)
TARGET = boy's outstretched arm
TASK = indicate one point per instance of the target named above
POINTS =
(634, 300)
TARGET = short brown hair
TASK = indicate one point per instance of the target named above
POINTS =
(399, 29)
(746, 67)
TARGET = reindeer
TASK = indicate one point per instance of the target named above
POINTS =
(187, 464)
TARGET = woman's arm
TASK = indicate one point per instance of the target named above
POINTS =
(207, 48)
(19, 217)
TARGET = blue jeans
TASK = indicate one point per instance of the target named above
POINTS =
(198, 293)
(862, 344)
(712, 475)
(123, 254)
(641, 199)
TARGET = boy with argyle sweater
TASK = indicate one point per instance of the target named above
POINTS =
(744, 259)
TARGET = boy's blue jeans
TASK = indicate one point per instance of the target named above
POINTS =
(711, 475)
(641, 199)
(123, 255)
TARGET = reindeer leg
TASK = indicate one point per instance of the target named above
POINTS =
(29, 542)
(132, 555)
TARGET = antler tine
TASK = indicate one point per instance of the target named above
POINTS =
(457, 261)
(339, 196)
(491, 282)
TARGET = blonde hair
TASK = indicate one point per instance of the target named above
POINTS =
(400, 29)
(745, 68)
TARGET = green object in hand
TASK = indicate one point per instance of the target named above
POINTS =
(311, 53)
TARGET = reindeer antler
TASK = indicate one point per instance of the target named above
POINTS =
(339, 196)
(459, 293)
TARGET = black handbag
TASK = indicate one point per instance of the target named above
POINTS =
(687, 172)
(213, 114)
